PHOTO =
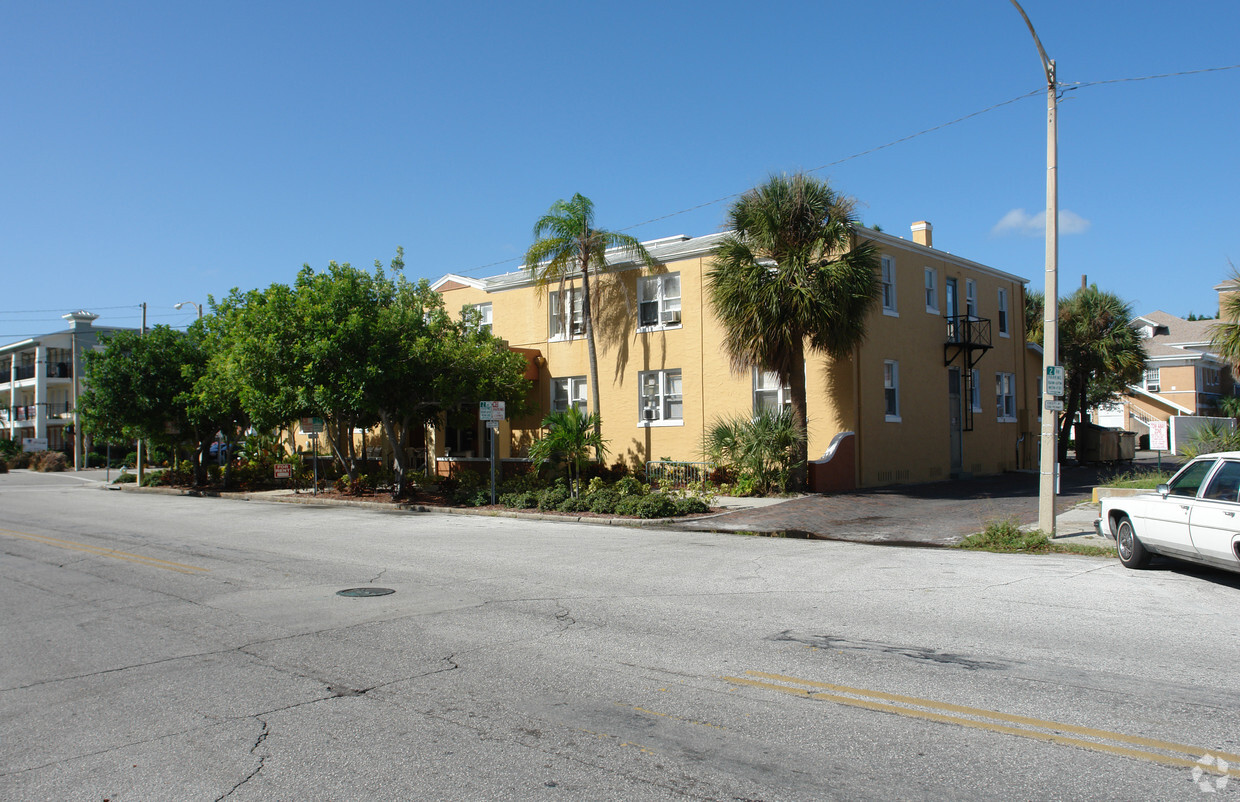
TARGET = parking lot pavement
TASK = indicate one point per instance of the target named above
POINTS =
(935, 514)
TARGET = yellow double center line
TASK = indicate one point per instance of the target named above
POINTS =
(103, 551)
(977, 718)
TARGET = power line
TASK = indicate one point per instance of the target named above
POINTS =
(923, 132)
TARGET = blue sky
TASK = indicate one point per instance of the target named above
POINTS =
(161, 152)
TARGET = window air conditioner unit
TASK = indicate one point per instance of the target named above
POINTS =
(671, 316)
(578, 327)
(649, 413)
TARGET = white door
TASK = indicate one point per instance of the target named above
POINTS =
(1166, 520)
(1214, 523)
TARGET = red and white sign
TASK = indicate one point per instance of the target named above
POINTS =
(284, 470)
(1159, 437)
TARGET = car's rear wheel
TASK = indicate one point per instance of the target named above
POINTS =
(1131, 553)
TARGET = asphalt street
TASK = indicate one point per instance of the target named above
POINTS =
(162, 647)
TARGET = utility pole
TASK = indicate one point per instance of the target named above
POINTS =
(1049, 473)
(139, 451)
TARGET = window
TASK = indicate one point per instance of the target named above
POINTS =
(1189, 480)
(1003, 314)
(570, 390)
(658, 301)
(1225, 486)
(970, 298)
(1209, 377)
(567, 319)
(661, 401)
(975, 390)
(889, 285)
(1005, 397)
(932, 290)
(891, 389)
(769, 392)
(1151, 380)
(484, 315)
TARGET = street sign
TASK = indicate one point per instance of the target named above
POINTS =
(492, 424)
(1054, 406)
(491, 410)
(311, 425)
(1055, 379)
(1159, 436)
(284, 470)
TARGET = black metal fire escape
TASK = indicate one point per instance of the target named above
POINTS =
(968, 338)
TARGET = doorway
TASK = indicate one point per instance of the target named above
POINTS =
(955, 426)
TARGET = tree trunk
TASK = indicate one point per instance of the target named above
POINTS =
(588, 318)
(398, 453)
(796, 386)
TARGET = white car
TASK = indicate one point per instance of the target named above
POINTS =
(1193, 517)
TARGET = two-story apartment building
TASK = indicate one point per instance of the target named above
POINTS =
(40, 381)
(941, 387)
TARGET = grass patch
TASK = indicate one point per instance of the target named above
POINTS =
(1141, 480)
(1006, 537)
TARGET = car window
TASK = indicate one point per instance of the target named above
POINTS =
(1189, 480)
(1225, 486)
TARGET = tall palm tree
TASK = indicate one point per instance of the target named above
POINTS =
(1225, 334)
(566, 246)
(790, 274)
(1101, 351)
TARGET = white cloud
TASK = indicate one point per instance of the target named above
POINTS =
(1019, 221)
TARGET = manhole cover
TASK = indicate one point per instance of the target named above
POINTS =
(358, 592)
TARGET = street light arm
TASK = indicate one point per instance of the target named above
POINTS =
(1047, 64)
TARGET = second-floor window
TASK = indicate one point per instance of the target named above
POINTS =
(1003, 313)
(661, 399)
(658, 301)
(567, 319)
(970, 298)
(932, 290)
(769, 392)
(568, 391)
(484, 315)
(1152, 383)
(889, 285)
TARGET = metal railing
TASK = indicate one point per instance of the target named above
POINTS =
(968, 330)
(678, 474)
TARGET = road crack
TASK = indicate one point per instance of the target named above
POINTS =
(262, 759)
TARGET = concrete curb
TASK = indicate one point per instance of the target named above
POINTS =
(312, 501)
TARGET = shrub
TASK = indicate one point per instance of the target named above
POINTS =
(49, 461)
(553, 497)
(521, 483)
(9, 447)
(760, 451)
(690, 506)
(19, 460)
(603, 502)
(474, 498)
(4, 466)
(520, 501)
(125, 479)
(574, 505)
(155, 479)
(655, 505)
(631, 486)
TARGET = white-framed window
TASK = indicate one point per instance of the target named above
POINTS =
(970, 298)
(1152, 383)
(975, 389)
(484, 315)
(568, 391)
(1003, 313)
(769, 392)
(889, 286)
(891, 390)
(658, 301)
(932, 290)
(1005, 397)
(1209, 377)
(567, 319)
(661, 400)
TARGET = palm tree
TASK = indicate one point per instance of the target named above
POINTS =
(571, 436)
(790, 272)
(1101, 351)
(567, 245)
(1225, 334)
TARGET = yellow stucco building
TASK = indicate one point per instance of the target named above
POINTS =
(943, 385)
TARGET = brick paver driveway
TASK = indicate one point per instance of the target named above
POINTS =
(939, 514)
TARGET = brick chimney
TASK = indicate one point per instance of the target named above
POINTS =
(923, 233)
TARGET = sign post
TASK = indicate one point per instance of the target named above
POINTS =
(1160, 439)
(311, 427)
(1053, 389)
(492, 412)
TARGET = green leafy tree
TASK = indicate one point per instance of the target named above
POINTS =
(571, 437)
(567, 246)
(1101, 352)
(790, 274)
(1035, 311)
